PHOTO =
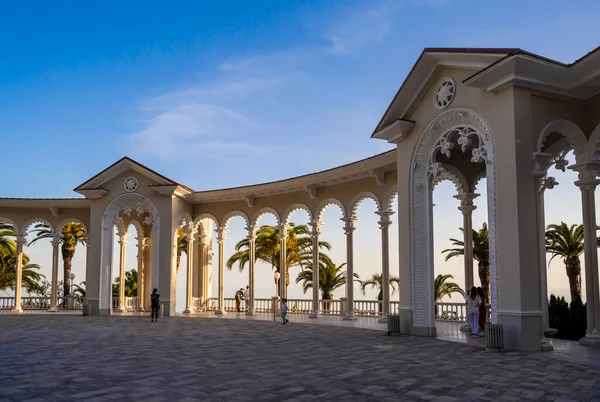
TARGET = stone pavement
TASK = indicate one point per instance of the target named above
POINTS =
(75, 358)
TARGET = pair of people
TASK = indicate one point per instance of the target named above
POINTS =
(242, 294)
(476, 310)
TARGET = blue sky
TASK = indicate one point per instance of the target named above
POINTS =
(218, 94)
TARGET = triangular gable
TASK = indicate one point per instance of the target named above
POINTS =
(96, 183)
(422, 75)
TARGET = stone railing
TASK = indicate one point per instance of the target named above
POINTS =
(43, 303)
(456, 312)
(130, 303)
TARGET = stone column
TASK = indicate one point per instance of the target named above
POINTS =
(587, 184)
(221, 240)
(202, 271)
(349, 230)
(122, 244)
(467, 208)
(19, 272)
(316, 231)
(251, 263)
(142, 243)
(384, 224)
(282, 261)
(189, 302)
(54, 289)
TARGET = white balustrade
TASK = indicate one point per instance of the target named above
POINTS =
(368, 308)
(132, 303)
(263, 305)
(394, 307)
(299, 306)
(330, 307)
(35, 303)
(456, 312)
(7, 303)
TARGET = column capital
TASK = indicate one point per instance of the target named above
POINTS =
(20, 238)
(385, 218)
(349, 224)
(55, 240)
(251, 233)
(283, 229)
(123, 238)
(221, 232)
(588, 173)
(315, 228)
(142, 242)
(466, 202)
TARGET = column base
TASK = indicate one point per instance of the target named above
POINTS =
(52, 310)
(121, 310)
(141, 309)
(546, 345)
(424, 331)
(349, 318)
(590, 341)
(314, 315)
(249, 312)
(220, 312)
(187, 311)
(383, 319)
(465, 327)
(16, 310)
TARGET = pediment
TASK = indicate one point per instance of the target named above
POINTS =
(99, 185)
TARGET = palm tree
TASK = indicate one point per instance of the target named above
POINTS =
(131, 284)
(481, 254)
(267, 249)
(8, 263)
(331, 277)
(376, 281)
(443, 288)
(567, 242)
(182, 246)
(71, 234)
(81, 288)
(30, 276)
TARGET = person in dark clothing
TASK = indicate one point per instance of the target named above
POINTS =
(155, 300)
(238, 298)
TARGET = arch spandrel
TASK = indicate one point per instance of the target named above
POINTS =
(592, 148)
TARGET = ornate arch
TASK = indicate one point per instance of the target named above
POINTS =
(138, 227)
(70, 220)
(204, 216)
(455, 128)
(262, 212)
(10, 222)
(327, 203)
(288, 214)
(572, 137)
(592, 148)
(108, 220)
(360, 197)
(453, 175)
(389, 198)
(233, 214)
(30, 222)
(184, 218)
(477, 179)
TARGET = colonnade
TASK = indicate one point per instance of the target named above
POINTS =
(315, 225)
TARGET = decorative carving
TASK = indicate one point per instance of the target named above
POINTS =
(360, 198)
(262, 212)
(111, 211)
(378, 175)
(311, 190)
(130, 184)
(463, 136)
(54, 211)
(349, 224)
(453, 175)
(444, 94)
(250, 200)
(296, 207)
(452, 124)
(127, 209)
(148, 220)
(573, 137)
(233, 214)
(221, 232)
(548, 183)
(315, 228)
(327, 203)
(118, 221)
(20, 239)
(384, 218)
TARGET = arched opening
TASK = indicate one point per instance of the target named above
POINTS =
(237, 282)
(457, 141)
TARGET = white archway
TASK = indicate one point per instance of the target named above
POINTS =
(108, 220)
(466, 124)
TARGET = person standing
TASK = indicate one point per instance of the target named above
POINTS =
(247, 297)
(155, 304)
(473, 302)
(238, 298)
(284, 310)
(482, 309)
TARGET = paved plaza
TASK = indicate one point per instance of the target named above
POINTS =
(74, 358)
